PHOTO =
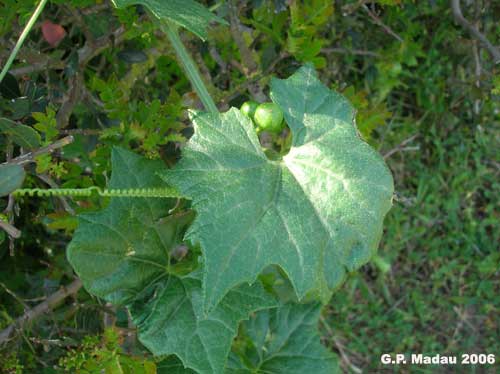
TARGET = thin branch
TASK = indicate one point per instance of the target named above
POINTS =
(85, 132)
(348, 51)
(30, 156)
(70, 99)
(477, 72)
(130, 334)
(109, 319)
(218, 58)
(14, 233)
(379, 22)
(62, 199)
(85, 54)
(77, 16)
(95, 9)
(474, 32)
(401, 146)
(247, 59)
(46, 63)
(227, 97)
(14, 295)
(351, 8)
(10, 229)
(248, 63)
(50, 303)
(345, 358)
(90, 50)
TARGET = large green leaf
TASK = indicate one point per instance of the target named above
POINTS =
(315, 213)
(171, 321)
(11, 178)
(122, 255)
(186, 13)
(284, 340)
(119, 251)
(22, 135)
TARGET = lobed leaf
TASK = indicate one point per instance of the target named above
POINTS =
(284, 340)
(316, 213)
(122, 255)
(119, 251)
(171, 321)
(186, 13)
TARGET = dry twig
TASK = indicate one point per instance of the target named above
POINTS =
(30, 156)
(379, 22)
(401, 146)
(473, 31)
(347, 51)
(10, 229)
(338, 344)
(50, 303)
(248, 64)
(62, 199)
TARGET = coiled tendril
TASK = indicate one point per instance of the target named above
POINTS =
(86, 192)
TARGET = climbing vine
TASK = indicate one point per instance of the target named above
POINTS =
(269, 236)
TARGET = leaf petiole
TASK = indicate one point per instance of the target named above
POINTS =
(189, 67)
(21, 39)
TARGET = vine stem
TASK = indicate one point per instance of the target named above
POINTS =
(189, 67)
(21, 39)
(112, 192)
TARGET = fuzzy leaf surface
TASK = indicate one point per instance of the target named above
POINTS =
(186, 13)
(122, 255)
(316, 213)
(171, 321)
(284, 340)
(120, 250)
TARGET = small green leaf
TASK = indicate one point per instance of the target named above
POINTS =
(11, 178)
(284, 340)
(46, 123)
(186, 13)
(22, 135)
(316, 213)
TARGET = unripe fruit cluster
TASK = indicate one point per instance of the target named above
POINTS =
(267, 116)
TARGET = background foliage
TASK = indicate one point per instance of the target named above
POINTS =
(427, 97)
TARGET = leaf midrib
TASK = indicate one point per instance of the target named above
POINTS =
(265, 209)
